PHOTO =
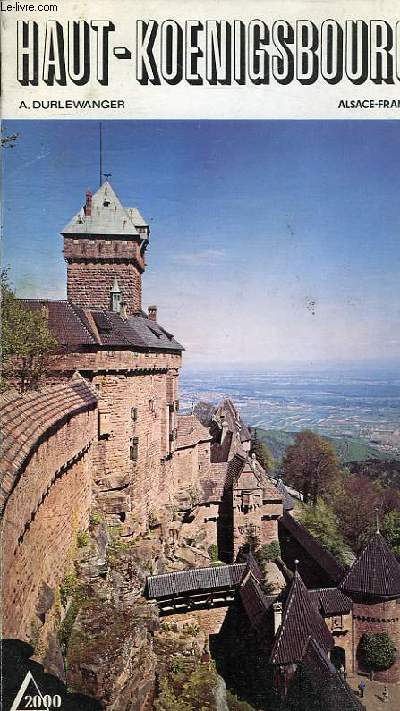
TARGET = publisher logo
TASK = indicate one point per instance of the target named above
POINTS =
(30, 697)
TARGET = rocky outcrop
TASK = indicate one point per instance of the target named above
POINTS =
(116, 648)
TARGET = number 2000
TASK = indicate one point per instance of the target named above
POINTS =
(43, 702)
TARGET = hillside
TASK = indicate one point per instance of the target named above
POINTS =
(348, 449)
(387, 471)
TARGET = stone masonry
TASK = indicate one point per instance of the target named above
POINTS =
(89, 283)
(376, 617)
(48, 500)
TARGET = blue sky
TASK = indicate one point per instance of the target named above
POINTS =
(271, 241)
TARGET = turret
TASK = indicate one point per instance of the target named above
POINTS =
(104, 245)
(373, 583)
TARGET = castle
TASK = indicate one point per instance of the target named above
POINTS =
(105, 434)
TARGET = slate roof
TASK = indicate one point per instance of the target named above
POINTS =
(253, 567)
(255, 602)
(375, 572)
(300, 620)
(235, 468)
(321, 555)
(108, 217)
(78, 328)
(190, 431)
(66, 320)
(327, 682)
(136, 331)
(331, 601)
(197, 579)
(26, 418)
(220, 451)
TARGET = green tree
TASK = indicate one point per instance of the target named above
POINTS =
(26, 341)
(391, 530)
(252, 541)
(321, 521)
(269, 551)
(310, 465)
(213, 552)
(377, 650)
(355, 502)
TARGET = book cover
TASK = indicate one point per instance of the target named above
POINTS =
(200, 386)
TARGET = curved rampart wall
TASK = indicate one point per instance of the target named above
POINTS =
(45, 498)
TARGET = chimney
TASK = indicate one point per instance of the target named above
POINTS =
(153, 313)
(88, 204)
(277, 609)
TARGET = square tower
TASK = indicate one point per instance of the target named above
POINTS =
(104, 245)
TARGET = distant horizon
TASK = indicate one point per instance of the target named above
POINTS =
(371, 364)
(356, 401)
(271, 241)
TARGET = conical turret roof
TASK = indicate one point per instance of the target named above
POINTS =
(300, 621)
(375, 572)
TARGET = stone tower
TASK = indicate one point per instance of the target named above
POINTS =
(104, 247)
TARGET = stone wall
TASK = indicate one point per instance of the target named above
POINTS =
(341, 627)
(378, 617)
(103, 248)
(133, 458)
(263, 522)
(89, 284)
(47, 503)
(190, 466)
(209, 621)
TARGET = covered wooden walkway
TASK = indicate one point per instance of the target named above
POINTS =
(186, 590)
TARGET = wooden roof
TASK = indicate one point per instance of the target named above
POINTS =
(196, 579)
(375, 572)
(300, 620)
(255, 602)
(331, 601)
(333, 690)
(315, 550)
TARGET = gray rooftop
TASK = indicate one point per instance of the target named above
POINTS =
(108, 217)
(210, 578)
(72, 326)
